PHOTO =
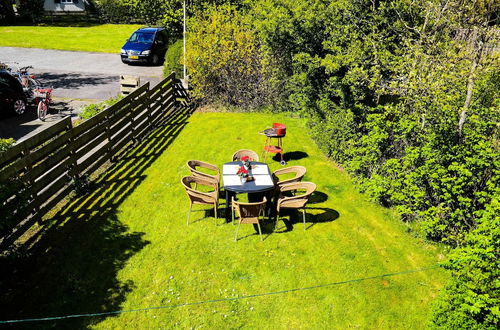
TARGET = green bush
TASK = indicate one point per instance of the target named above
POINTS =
(93, 109)
(31, 10)
(6, 144)
(116, 11)
(173, 59)
(472, 298)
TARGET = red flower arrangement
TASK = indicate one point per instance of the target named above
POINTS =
(242, 171)
(246, 161)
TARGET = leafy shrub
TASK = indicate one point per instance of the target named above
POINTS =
(9, 188)
(472, 298)
(82, 185)
(116, 11)
(173, 59)
(31, 10)
(6, 144)
(7, 15)
(93, 109)
(224, 59)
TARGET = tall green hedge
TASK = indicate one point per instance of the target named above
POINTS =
(173, 59)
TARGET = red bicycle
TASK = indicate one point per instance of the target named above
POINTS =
(43, 96)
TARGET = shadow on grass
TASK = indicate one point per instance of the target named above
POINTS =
(295, 216)
(70, 266)
(292, 155)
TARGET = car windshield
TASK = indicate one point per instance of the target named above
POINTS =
(145, 38)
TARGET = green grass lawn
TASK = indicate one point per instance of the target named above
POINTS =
(127, 246)
(106, 38)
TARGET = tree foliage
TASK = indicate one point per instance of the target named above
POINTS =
(224, 58)
(7, 15)
(403, 93)
(31, 10)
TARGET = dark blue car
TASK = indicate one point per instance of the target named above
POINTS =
(146, 45)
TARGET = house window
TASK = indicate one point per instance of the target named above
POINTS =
(66, 1)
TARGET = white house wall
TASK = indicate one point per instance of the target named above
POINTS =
(50, 5)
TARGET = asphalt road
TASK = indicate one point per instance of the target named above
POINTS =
(78, 78)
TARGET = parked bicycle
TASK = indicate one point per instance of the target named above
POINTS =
(43, 96)
(35, 93)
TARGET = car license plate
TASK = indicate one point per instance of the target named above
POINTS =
(134, 57)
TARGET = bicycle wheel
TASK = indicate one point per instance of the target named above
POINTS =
(42, 110)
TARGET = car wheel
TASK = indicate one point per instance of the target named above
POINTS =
(19, 107)
(155, 60)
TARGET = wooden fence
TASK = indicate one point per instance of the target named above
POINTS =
(39, 172)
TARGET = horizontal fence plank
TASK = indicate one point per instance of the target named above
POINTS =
(89, 136)
(48, 133)
(126, 134)
(34, 141)
(141, 129)
(92, 167)
(116, 132)
(44, 195)
(87, 161)
(53, 174)
(119, 145)
(58, 196)
(49, 162)
(98, 139)
(49, 148)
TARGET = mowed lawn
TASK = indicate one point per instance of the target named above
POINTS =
(127, 247)
(106, 38)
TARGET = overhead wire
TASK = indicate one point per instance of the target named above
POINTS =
(54, 318)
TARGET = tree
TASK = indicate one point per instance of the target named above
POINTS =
(7, 15)
(31, 9)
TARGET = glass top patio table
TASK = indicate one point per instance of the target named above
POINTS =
(263, 183)
(260, 171)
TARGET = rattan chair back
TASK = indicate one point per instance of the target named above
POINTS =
(193, 166)
(299, 172)
(299, 200)
(199, 197)
(245, 152)
(249, 212)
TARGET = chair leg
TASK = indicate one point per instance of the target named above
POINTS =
(236, 236)
(260, 232)
(232, 214)
(189, 213)
(304, 217)
(277, 219)
(215, 211)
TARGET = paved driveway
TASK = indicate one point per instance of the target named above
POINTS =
(78, 78)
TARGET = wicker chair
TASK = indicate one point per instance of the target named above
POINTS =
(299, 171)
(298, 201)
(245, 152)
(194, 164)
(248, 213)
(199, 197)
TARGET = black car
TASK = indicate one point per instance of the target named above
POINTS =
(146, 45)
(12, 97)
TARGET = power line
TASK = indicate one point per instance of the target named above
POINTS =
(221, 299)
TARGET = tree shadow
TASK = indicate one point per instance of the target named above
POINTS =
(70, 265)
(74, 80)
